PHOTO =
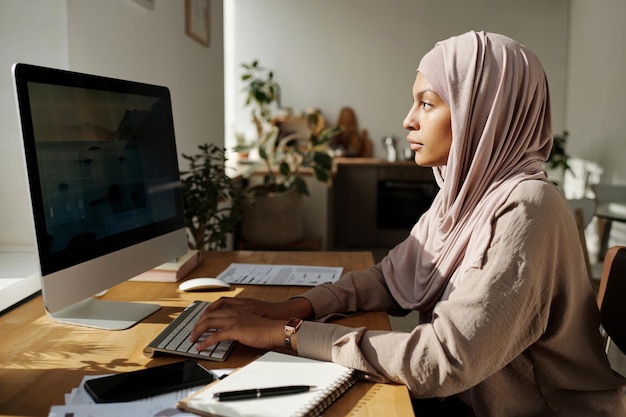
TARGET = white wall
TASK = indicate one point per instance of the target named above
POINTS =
(363, 53)
(116, 38)
(34, 32)
(596, 91)
(326, 54)
(596, 87)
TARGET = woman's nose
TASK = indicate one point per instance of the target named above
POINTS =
(410, 122)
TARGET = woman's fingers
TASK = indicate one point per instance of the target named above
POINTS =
(249, 329)
(252, 322)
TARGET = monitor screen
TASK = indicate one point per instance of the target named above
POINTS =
(104, 181)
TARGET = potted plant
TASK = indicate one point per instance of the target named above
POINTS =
(212, 200)
(558, 158)
(558, 161)
(262, 91)
(284, 159)
(281, 156)
(272, 202)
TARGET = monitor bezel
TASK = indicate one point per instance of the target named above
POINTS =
(132, 252)
(25, 74)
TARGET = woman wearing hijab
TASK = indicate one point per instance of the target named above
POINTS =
(508, 321)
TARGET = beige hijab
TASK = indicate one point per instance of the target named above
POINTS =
(501, 132)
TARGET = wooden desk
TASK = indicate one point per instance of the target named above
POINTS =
(42, 360)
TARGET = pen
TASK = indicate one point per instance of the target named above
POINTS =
(260, 392)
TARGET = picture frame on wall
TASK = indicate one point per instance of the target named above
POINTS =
(197, 19)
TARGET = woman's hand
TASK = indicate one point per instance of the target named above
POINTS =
(255, 323)
(245, 327)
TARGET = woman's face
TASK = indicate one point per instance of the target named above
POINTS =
(429, 125)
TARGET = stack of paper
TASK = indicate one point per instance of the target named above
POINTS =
(78, 403)
(265, 274)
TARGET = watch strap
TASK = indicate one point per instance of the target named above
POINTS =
(291, 328)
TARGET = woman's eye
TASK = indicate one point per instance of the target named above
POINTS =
(425, 105)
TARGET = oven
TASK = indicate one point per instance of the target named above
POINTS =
(399, 204)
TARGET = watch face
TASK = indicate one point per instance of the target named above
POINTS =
(291, 327)
(295, 323)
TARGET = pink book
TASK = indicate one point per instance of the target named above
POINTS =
(172, 271)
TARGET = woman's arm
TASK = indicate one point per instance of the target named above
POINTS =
(357, 291)
(260, 323)
(494, 315)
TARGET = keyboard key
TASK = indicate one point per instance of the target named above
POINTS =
(175, 338)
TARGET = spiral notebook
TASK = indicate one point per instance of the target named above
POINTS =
(273, 369)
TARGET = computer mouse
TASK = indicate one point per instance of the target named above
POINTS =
(203, 284)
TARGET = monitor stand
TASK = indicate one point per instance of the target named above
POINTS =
(103, 314)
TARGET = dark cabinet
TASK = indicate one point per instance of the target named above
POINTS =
(376, 203)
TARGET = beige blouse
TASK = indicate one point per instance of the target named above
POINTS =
(518, 336)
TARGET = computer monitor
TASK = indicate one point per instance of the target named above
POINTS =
(105, 190)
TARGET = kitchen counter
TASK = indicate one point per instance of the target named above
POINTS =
(375, 162)
(237, 167)
(355, 211)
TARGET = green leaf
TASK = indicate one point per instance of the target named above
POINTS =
(284, 169)
(321, 175)
(323, 160)
(301, 186)
(212, 202)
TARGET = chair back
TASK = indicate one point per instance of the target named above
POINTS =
(612, 296)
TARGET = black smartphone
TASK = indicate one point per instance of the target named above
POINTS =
(130, 386)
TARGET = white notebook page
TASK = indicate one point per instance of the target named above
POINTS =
(271, 370)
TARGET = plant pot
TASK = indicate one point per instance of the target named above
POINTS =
(274, 219)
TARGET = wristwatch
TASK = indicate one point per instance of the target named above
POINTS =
(291, 328)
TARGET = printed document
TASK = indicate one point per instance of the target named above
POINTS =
(262, 274)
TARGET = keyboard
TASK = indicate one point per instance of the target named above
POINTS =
(174, 339)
